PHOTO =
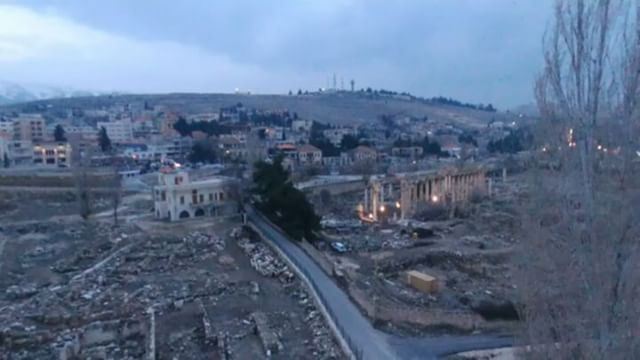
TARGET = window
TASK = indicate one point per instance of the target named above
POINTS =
(181, 200)
(201, 198)
(221, 196)
(164, 196)
(210, 197)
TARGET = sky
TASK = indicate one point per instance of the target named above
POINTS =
(480, 51)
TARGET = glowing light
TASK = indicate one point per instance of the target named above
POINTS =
(382, 208)
(599, 147)
(435, 198)
(370, 216)
(398, 203)
(544, 149)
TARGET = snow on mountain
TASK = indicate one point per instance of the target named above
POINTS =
(11, 93)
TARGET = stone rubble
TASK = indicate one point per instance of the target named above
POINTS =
(265, 262)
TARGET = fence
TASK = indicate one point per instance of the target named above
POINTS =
(265, 225)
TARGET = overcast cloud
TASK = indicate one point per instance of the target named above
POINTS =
(485, 51)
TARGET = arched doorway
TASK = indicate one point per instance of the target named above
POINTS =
(184, 214)
(199, 212)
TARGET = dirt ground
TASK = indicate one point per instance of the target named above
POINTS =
(469, 255)
(84, 289)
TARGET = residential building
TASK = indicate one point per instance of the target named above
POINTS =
(335, 135)
(4, 151)
(206, 117)
(362, 153)
(333, 161)
(308, 154)
(232, 147)
(118, 131)
(83, 146)
(52, 154)
(29, 127)
(6, 130)
(413, 152)
(159, 150)
(178, 197)
(166, 123)
(20, 152)
(453, 149)
(301, 125)
(84, 132)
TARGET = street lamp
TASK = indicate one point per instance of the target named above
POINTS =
(435, 198)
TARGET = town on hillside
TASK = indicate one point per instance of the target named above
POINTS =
(175, 218)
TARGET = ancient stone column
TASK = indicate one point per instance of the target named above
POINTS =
(366, 200)
(375, 199)
(405, 198)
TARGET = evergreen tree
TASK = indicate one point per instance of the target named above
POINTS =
(279, 200)
(182, 127)
(103, 140)
(203, 152)
(349, 142)
(59, 134)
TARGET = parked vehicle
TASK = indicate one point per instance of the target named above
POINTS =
(339, 247)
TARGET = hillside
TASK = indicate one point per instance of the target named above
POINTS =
(334, 108)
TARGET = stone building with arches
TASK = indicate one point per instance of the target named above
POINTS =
(178, 197)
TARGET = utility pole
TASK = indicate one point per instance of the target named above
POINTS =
(353, 85)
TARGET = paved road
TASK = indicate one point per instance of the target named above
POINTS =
(345, 314)
(372, 343)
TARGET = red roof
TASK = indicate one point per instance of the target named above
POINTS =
(308, 148)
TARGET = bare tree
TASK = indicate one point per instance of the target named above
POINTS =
(326, 199)
(84, 185)
(577, 275)
(115, 188)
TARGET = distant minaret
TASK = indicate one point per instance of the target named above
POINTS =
(335, 86)
(353, 85)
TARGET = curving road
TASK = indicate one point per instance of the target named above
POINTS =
(368, 341)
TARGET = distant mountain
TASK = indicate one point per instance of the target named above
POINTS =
(12, 93)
